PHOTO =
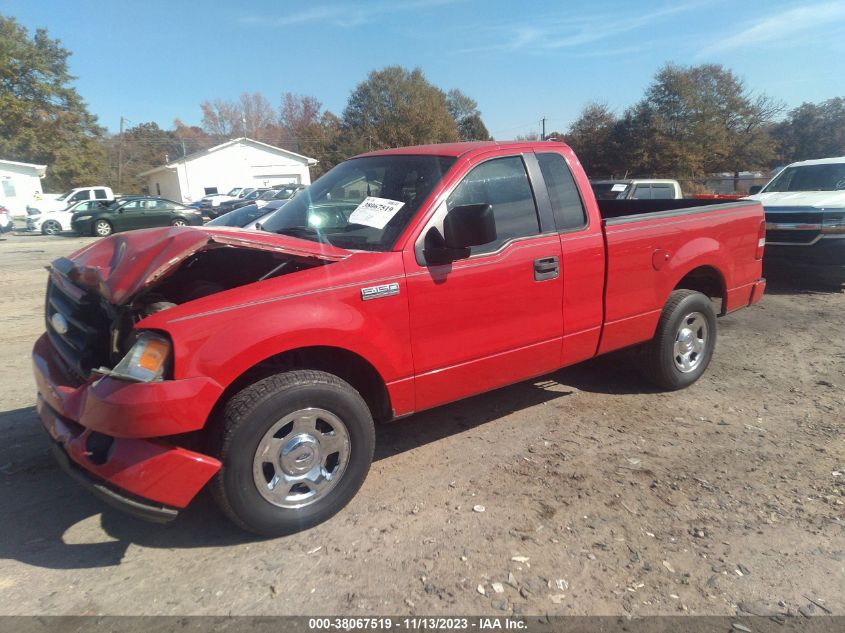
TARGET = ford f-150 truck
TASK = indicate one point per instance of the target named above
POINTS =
(258, 361)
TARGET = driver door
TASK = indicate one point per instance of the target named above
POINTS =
(494, 318)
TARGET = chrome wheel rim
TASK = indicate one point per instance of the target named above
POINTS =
(178, 222)
(690, 342)
(102, 228)
(51, 228)
(301, 458)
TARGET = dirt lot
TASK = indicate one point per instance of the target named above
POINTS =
(601, 496)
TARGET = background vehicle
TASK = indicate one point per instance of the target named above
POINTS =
(805, 218)
(209, 204)
(134, 213)
(637, 189)
(6, 223)
(54, 222)
(247, 217)
(228, 205)
(399, 281)
(70, 197)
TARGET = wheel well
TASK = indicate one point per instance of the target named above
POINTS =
(706, 280)
(344, 364)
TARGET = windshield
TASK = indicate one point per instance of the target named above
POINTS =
(830, 177)
(233, 192)
(239, 217)
(610, 190)
(267, 195)
(363, 203)
(64, 195)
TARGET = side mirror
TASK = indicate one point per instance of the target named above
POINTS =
(754, 190)
(463, 227)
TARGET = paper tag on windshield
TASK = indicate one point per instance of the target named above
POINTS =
(375, 212)
(619, 187)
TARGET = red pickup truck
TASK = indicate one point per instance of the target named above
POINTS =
(400, 280)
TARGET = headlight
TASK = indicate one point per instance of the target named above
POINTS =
(83, 217)
(146, 360)
(197, 211)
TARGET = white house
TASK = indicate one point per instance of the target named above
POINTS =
(241, 162)
(20, 185)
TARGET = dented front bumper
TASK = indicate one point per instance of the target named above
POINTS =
(110, 435)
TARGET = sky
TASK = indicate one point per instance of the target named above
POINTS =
(155, 60)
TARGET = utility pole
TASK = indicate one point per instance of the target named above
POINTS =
(120, 158)
(543, 135)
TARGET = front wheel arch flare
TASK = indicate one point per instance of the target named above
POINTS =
(345, 364)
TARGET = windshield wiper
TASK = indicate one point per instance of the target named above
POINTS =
(305, 232)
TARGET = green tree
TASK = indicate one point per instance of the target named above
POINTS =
(396, 107)
(42, 117)
(591, 136)
(699, 120)
(812, 130)
(464, 112)
(145, 146)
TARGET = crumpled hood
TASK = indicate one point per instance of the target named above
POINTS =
(816, 199)
(120, 266)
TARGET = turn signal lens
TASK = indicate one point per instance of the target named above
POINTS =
(146, 361)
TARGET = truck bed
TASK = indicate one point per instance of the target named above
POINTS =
(623, 211)
(651, 244)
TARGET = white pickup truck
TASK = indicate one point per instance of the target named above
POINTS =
(637, 189)
(63, 201)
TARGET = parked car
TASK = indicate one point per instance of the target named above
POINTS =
(209, 203)
(805, 216)
(247, 217)
(54, 222)
(134, 213)
(258, 361)
(228, 205)
(637, 189)
(61, 202)
(6, 223)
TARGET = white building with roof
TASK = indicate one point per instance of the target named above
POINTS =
(20, 185)
(241, 162)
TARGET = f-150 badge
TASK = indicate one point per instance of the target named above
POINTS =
(377, 292)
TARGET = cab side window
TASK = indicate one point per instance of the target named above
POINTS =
(642, 192)
(563, 192)
(503, 183)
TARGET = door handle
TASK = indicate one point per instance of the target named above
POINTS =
(546, 268)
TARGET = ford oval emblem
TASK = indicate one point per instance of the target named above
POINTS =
(59, 323)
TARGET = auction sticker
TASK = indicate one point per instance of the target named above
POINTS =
(620, 186)
(375, 212)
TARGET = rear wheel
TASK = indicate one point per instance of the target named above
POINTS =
(51, 227)
(102, 228)
(683, 345)
(295, 448)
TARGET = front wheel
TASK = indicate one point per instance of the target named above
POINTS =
(178, 222)
(51, 227)
(102, 228)
(295, 448)
(684, 342)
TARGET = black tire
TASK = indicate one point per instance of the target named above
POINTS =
(105, 229)
(658, 355)
(250, 414)
(51, 227)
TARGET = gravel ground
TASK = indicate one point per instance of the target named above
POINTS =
(599, 495)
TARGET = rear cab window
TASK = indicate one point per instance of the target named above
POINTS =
(567, 206)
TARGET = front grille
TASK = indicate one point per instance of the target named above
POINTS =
(84, 343)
